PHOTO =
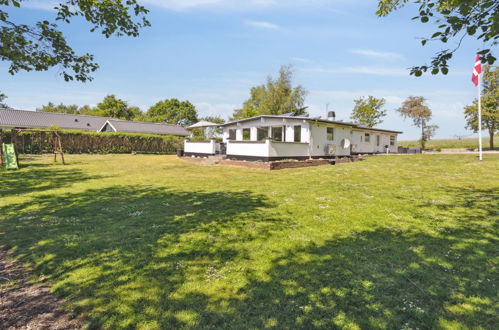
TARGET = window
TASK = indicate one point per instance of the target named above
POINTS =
(277, 133)
(297, 133)
(232, 134)
(262, 133)
(367, 137)
(378, 138)
(246, 134)
(392, 140)
(330, 133)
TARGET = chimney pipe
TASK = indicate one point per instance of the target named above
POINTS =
(331, 115)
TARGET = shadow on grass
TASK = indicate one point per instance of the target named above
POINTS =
(385, 278)
(120, 252)
(142, 257)
(39, 177)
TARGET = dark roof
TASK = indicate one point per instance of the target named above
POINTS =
(35, 119)
(353, 125)
(151, 128)
(10, 118)
(287, 117)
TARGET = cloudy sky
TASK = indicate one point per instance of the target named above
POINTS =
(211, 52)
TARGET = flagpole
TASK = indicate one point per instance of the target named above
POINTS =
(479, 121)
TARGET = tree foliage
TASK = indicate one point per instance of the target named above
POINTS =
(41, 45)
(455, 19)
(2, 99)
(173, 111)
(277, 96)
(61, 108)
(368, 111)
(490, 105)
(115, 108)
(110, 106)
(415, 108)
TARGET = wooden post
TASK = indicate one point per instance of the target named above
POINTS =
(58, 147)
(13, 140)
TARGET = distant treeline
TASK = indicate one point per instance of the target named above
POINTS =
(171, 111)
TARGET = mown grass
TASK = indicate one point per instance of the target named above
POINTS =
(154, 242)
(468, 143)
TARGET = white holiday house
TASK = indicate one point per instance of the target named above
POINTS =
(268, 138)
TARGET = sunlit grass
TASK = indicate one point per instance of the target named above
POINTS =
(150, 242)
(468, 143)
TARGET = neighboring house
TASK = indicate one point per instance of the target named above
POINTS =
(116, 125)
(294, 137)
(10, 118)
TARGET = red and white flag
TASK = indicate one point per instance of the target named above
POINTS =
(477, 69)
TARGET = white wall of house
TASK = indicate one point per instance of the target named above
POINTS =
(314, 139)
(288, 149)
(200, 147)
(254, 149)
(320, 139)
(286, 123)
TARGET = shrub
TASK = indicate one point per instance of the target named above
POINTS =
(74, 142)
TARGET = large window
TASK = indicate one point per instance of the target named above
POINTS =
(378, 140)
(232, 134)
(392, 140)
(246, 134)
(330, 133)
(297, 133)
(367, 137)
(277, 133)
(262, 133)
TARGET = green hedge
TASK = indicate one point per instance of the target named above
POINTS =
(76, 142)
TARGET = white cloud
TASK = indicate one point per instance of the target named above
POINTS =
(182, 4)
(231, 4)
(301, 60)
(377, 54)
(379, 71)
(262, 25)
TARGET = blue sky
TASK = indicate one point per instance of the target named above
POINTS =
(211, 52)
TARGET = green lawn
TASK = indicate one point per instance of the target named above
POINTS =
(145, 241)
(468, 143)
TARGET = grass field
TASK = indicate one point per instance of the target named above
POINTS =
(470, 143)
(136, 241)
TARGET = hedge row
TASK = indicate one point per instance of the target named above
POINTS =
(76, 142)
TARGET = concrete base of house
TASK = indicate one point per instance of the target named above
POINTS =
(278, 164)
(272, 159)
(197, 154)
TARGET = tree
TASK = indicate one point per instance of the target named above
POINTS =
(173, 111)
(2, 99)
(41, 45)
(115, 108)
(213, 119)
(490, 105)
(61, 108)
(415, 108)
(368, 111)
(209, 132)
(276, 97)
(456, 19)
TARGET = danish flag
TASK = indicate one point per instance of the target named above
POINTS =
(477, 69)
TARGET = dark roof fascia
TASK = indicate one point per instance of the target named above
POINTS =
(235, 122)
(312, 120)
(377, 129)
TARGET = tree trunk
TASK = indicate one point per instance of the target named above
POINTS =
(491, 138)
(423, 142)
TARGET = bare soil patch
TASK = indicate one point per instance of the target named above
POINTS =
(28, 305)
